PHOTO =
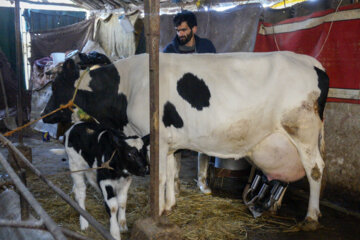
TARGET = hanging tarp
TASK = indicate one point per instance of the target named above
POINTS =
(233, 30)
(41, 20)
(331, 37)
(62, 39)
(7, 34)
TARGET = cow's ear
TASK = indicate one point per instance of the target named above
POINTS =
(70, 70)
(146, 140)
(116, 138)
(83, 58)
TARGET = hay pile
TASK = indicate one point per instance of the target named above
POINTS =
(199, 216)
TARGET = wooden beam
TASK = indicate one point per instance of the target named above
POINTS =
(152, 28)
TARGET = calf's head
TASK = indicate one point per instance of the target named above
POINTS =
(131, 154)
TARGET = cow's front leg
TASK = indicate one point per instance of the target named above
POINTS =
(122, 198)
(162, 175)
(203, 163)
(177, 172)
(111, 203)
(79, 189)
(170, 177)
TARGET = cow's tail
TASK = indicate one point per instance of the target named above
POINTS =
(322, 141)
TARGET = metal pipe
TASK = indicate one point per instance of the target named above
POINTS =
(40, 225)
(152, 21)
(23, 203)
(22, 224)
(50, 224)
(64, 196)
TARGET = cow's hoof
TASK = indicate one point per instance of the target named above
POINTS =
(168, 211)
(123, 226)
(205, 189)
(177, 187)
(309, 224)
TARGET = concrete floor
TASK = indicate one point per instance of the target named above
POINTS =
(335, 225)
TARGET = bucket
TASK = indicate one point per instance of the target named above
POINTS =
(57, 57)
(228, 177)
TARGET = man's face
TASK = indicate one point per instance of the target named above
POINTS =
(184, 33)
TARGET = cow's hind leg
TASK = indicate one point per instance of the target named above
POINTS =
(123, 189)
(111, 203)
(314, 172)
(305, 131)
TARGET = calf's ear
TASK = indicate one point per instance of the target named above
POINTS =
(118, 140)
(70, 70)
(146, 140)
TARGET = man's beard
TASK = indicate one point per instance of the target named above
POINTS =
(185, 39)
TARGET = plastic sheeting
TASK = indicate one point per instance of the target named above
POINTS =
(10, 210)
(38, 102)
(231, 31)
(115, 35)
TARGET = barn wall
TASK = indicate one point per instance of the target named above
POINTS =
(342, 139)
(333, 38)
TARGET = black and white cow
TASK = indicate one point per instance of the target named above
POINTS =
(268, 106)
(88, 145)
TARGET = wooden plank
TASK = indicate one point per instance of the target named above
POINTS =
(152, 23)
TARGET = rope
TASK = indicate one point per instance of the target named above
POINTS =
(68, 105)
(103, 165)
(327, 36)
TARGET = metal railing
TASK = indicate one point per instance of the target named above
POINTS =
(46, 223)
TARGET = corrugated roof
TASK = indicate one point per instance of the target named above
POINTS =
(115, 4)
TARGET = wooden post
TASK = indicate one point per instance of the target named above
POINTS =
(154, 228)
(152, 21)
(18, 66)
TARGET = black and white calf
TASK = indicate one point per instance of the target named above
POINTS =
(88, 145)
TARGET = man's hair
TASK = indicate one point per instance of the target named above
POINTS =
(185, 16)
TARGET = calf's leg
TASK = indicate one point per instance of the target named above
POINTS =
(123, 188)
(111, 202)
(80, 195)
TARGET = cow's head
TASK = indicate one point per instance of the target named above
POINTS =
(63, 86)
(131, 154)
(90, 59)
(62, 91)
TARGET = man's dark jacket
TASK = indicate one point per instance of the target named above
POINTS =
(202, 45)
